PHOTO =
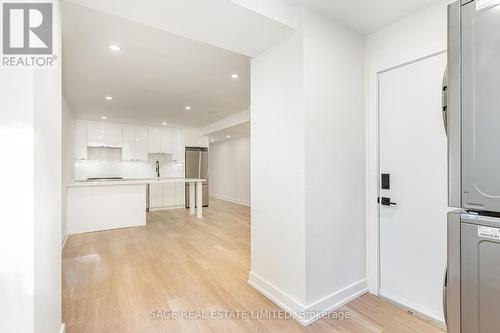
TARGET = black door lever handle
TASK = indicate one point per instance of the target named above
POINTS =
(386, 202)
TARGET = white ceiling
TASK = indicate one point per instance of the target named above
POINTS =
(366, 16)
(247, 27)
(154, 76)
(235, 132)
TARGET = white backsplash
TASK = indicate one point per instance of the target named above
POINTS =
(106, 163)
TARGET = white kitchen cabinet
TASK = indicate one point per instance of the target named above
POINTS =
(154, 140)
(80, 140)
(112, 135)
(180, 194)
(166, 140)
(95, 134)
(141, 143)
(173, 195)
(135, 143)
(104, 135)
(155, 196)
(178, 144)
(161, 140)
(128, 143)
(166, 196)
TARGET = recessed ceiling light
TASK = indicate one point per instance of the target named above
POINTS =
(235, 76)
(104, 117)
(114, 47)
(164, 124)
(212, 113)
(229, 136)
(108, 98)
(212, 140)
(187, 107)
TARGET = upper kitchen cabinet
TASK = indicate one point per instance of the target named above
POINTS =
(135, 143)
(104, 135)
(178, 145)
(160, 140)
(154, 140)
(141, 143)
(166, 140)
(80, 140)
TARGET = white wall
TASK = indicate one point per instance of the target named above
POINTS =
(229, 170)
(30, 196)
(334, 160)
(277, 177)
(67, 159)
(415, 37)
(48, 184)
(17, 236)
(308, 228)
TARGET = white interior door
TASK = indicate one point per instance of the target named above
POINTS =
(413, 152)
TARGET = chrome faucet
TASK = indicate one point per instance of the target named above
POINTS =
(158, 169)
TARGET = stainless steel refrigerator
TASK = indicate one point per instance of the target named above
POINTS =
(196, 164)
(471, 110)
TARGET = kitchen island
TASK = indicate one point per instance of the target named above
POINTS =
(104, 205)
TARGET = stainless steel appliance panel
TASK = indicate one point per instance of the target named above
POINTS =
(451, 288)
(480, 278)
(192, 161)
(197, 167)
(204, 166)
(480, 107)
(451, 108)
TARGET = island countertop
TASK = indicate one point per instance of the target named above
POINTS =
(134, 182)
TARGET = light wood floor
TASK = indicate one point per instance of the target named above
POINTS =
(113, 280)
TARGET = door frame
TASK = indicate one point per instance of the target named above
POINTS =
(373, 178)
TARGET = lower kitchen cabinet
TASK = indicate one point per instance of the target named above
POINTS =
(166, 196)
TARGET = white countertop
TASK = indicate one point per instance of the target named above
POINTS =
(134, 182)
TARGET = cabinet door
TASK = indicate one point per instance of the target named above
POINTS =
(155, 195)
(95, 135)
(80, 141)
(166, 140)
(141, 143)
(178, 145)
(167, 195)
(180, 194)
(113, 135)
(154, 140)
(128, 150)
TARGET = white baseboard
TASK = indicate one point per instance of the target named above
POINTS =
(166, 208)
(63, 328)
(278, 297)
(308, 314)
(417, 309)
(229, 199)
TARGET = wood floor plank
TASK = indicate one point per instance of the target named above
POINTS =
(117, 281)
